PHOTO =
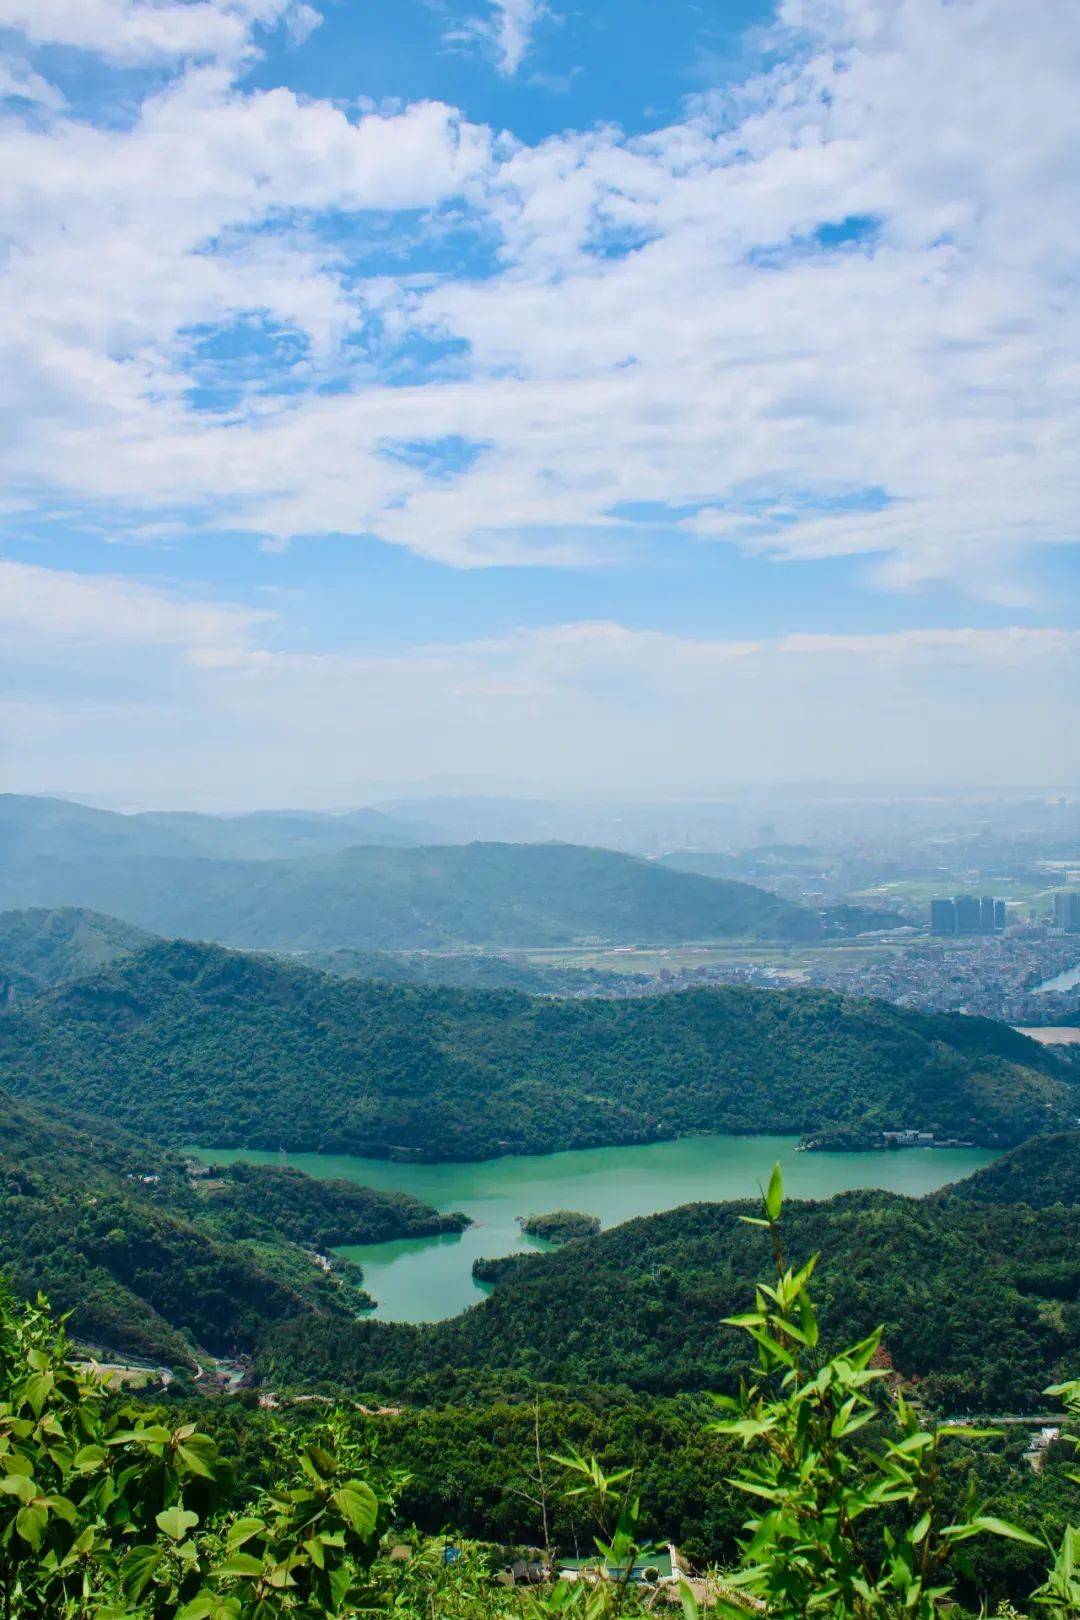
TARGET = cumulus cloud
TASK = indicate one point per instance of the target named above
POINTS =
(827, 313)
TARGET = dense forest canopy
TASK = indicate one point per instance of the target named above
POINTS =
(981, 1305)
(1040, 1172)
(41, 948)
(157, 1263)
(195, 1043)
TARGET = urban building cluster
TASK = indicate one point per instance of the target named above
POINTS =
(1067, 910)
(1028, 976)
(967, 914)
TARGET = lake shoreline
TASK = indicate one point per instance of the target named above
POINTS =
(429, 1279)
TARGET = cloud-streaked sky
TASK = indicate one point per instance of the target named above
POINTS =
(608, 396)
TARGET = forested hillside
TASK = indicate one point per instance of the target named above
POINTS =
(1040, 1172)
(153, 1263)
(381, 898)
(193, 1043)
(40, 948)
(979, 1305)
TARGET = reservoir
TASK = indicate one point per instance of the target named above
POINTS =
(426, 1279)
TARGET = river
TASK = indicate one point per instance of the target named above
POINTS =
(426, 1279)
(1061, 981)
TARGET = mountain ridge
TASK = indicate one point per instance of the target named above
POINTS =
(196, 1043)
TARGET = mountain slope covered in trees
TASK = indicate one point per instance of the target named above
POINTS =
(153, 1263)
(366, 898)
(979, 1305)
(1040, 1172)
(41, 948)
(198, 1044)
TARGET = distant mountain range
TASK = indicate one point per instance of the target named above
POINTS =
(158, 872)
(34, 829)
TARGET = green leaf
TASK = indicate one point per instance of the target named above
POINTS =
(30, 1522)
(202, 1607)
(240, 1563)
(774, 1195)
(137, 1568)
(195, 1464)
(176, 1522)
(1002, 1527)
(359, 1506)
(689, 1602)
(340, 1580)
(753, 1220)
(88, 1458)
(242, 1530)
(37, 1390)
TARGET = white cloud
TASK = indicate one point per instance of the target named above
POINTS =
(512, 27)
(19, 82)
(44, 607)
(148, 31)
(184, 705)
(664, 329)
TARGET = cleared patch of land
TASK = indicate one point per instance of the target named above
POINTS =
(1053, 1035)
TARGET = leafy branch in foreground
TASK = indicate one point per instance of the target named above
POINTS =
(848, 1485)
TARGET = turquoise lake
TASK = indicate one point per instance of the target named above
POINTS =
(426, 1279)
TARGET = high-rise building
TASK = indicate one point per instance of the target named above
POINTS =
(942, 917)
(968, 914)
(986, 914)
(1067, 910)
(1000, 915)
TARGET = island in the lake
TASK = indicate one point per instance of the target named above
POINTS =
(560, 1226)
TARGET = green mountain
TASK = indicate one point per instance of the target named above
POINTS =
(1039, 1173)
(193, 1043)
(152, 1262)
(968, 1310)
(498, 895)
(40, 948)
(36, 830)
(273, 835)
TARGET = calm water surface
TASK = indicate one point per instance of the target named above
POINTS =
(426, 1279)
(1061, 981)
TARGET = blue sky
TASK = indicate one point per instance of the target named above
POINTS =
(607, 397)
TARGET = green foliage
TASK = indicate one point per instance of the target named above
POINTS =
(1040, 1172)
(953, 1283)
(560, 1226)
(192, 1043)
(153, 1264)
(830, 1459)
(106, 1511)
(40, 948)
(244, 1199)
(109, 1511)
